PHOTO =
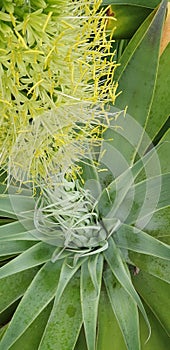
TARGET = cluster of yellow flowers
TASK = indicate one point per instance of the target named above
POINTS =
(56, 79)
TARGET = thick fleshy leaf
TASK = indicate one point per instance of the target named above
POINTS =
(114, 159)
(90, 177)
(128, 19)
(154, 266)
(89, 170)
(65, 321)
(159, 338)
(125, 310)
(14, 205)
(143, 199)
(16, 227)
(90, 292)
(2, 330)
(14, 247)
(95, 267)
(150, 4)
(133, 44)
(112, 196)
(138, 79)
(113, 258)
(161, 103)
(159, 223)
(22, 236)
(109, 334)
(155, 293)
(118, 151)
(39, 294)
(13, 190)
(16, 230)
(34, 256)
(67, 273)
(125, 138)
(14, 286)
(157, 164)
(31, 338)
(131, 238)
(164, 151)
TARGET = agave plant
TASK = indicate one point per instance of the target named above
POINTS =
(85, 261)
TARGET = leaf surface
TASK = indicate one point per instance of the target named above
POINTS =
(34, 256)
(65, 321)
(154, 266)
(155, 293)
(39, 294)
(113, 258)
(131, 238)
(91, 277)
(125, 310)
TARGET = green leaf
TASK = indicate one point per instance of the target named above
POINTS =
(34, 256)
(143, 199)
(14, 286)
(22, 236)
(125, 310)
(12, 190)
(2, 330)
(67, 272)
(158, 164)
(12, 248)
(132, 46)
(145, 3)
(113, 258)
(154, 266)
(95, 267)
(39, 294)
(17, 229)
(138, 79)
(163, 153)
(136, 240)
(160, 220)
(112, 196)
(121, 144)
(153, 186)
(65, 320)
(91, 276)
(159, 338)
(90, 177)
(128, 19)
(109, 334)
(155, 293)
(160, 108)
(31, 338)
(126, 138)
(117, 145)
(15, 205)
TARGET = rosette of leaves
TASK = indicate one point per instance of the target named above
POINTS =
(63, 288)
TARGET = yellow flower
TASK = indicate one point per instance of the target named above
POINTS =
(57, 77)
